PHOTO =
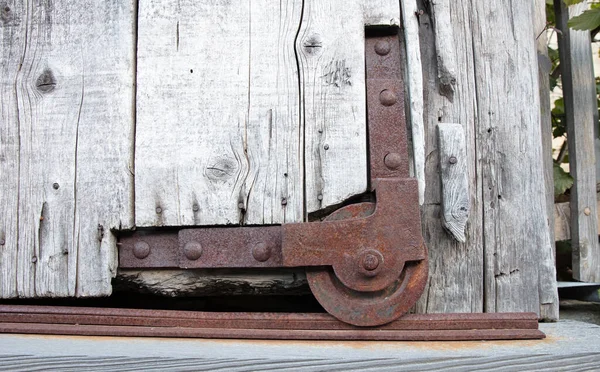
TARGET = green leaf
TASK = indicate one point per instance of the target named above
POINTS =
(572, 2)
(588, 20)
(562, 180)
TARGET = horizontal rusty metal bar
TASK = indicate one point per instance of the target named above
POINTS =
(168, 323)
(272, 334)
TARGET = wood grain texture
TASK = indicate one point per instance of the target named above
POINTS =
(219, 282)
(414, 77)
(547, 266)
(503, 266)
(580, 108)
(455, 269)
(263, 121)
(66, 92)
(509, 149)
(455, 183)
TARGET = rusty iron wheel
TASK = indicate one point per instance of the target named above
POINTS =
(367, 308)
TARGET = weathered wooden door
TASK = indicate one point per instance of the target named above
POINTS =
(206, 113)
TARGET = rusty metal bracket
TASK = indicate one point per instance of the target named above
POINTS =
(371, 248)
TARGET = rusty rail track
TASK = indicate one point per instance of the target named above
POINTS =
(82, 321)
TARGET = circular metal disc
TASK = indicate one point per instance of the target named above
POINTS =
(367, 308)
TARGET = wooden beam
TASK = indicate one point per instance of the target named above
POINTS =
(579, 91)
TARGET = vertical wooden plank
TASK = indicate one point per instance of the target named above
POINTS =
(192, 111)
(455, 269)
(332, 73)
(67, 99)
(548, 294)
(509, 149)
(579, 91)
(455, 182)
(12, 41)
(410, 10)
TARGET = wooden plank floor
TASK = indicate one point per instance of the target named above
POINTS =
(570, 345)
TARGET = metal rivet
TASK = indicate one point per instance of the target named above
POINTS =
(158, 210)
(55, 185)
(320, 197)
(370, 262)
(326, 147)
(195, 208)
(382, 47)
(34, 259)
(192, 250)
(387, 97)
(283, 201)
(453, 160)
(141, 250)
(393, 160)
(587, 211)
(261, 252)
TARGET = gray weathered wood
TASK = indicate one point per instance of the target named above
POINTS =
(222, 282)
(547, 263)
(414, 85)
(562, 220)
(515, 225)
(579, 91)
(261, 122)
(455, 269)
(455, 183)
(66, 93)
(503, 266)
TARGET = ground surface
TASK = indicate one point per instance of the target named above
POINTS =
(569, 346)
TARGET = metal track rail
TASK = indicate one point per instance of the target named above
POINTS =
(296, 326)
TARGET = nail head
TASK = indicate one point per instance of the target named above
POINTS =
(141, 250)
(453, 160)
(55, 185)
(192, 250)
(587, 211)
(382, 47)
(388, 97)
(261, 252)
(393, 160)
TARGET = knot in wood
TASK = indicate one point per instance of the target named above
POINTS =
(46, 82)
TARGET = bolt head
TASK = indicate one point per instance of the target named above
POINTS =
(388, 97)
(141, 250)
(192, 250)
(453, 160)
(393, 160)
(261, 252)
(382, 47)
(370, 262)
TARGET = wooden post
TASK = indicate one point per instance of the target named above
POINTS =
(506, 262)
(579, 91)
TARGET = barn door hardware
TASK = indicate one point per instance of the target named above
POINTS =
(366, 263)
